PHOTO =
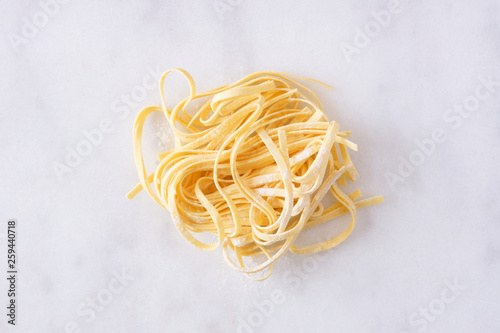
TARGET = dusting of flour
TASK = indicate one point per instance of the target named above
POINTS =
(164, 136)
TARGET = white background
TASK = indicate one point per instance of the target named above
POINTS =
(438, 226)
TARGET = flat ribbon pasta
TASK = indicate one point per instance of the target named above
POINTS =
(251, 166)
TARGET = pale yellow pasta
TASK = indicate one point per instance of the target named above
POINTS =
(251, 166)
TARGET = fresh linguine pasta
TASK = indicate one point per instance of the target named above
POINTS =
(252, 166)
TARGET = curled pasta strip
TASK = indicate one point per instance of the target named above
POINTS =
(251, 165)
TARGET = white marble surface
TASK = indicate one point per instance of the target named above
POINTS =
(439, 225)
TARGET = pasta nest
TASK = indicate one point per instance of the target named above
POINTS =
(251, 166)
